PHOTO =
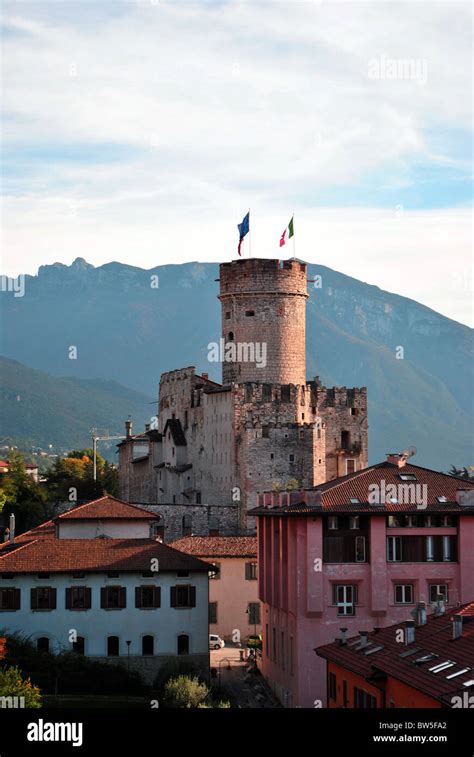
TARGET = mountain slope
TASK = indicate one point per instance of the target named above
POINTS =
(37, 409)
(126, 330)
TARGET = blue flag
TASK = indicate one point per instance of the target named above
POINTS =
(244, 229)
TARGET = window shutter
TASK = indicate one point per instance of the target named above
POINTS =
(247, 571)
(34, 599)
(192, 596)
(68, 599)
(103, 597)
(123, 597)
(16, 599)
(52, 599)
(173, 596)
(157, 597)
(88, 598)
(138, 596)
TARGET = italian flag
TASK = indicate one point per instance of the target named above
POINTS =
(291, 232)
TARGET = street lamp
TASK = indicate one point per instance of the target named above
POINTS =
(128, 654)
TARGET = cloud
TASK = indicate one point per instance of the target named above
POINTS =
(141, 131)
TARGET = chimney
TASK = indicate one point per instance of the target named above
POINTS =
(421, 614)
(128, 428)
(364, 639)
(147, 426)
(440, 605)
(457, 626)
(409, 632)
(396, 458)
(205, 376)
(343, 635)
(11, 535)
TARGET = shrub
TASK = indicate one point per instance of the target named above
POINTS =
(13, 685)
(185, 691)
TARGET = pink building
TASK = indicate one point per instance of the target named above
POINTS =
(360, 552)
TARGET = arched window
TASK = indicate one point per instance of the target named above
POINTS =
(42, 644)
(113, 646)
(148, 645)
(231, 336)
(183, 644)
(79, 645)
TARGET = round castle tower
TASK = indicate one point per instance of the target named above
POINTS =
(263, 306)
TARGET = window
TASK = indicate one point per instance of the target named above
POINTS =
(345, 598)
(394, 548)
(113, 597)
(183, 644)
(437, 591)
(360, 548)
(332, 686)
(9, 599)
(291, 458)
(182, 596)
(78, 575)
(345, 698)
(267, 640)
(407, 476)
(249, 313)
(274, 645)
(187, 525)
(113, 574)
(148, 645)
(446, 549)
(285, 393)
(227, 315)
(251, 571)
(79, 645)
(43, 598)
(345, 440)
(212, 612)
(350, 466)
(265, 432)
(7, 576)
(198, 498)
(182, 573)
(113, 646)
(354, 522)
(254, 613)
(231, 336)
(363, 700)
(42, 575)
(42, 644)
(78, 598)
(217, 572)
(333, 523)
(147, 597)
(394, 521)
(429, 549)
(404, 594)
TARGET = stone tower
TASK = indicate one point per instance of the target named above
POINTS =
(263, 306)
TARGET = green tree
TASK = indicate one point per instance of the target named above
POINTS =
(185, 691)
(13, 685)
(22, 496)
(75, 473)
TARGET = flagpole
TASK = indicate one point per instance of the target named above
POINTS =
(250, 238)
(294, 249)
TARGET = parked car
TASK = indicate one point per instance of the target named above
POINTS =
(254, 641)
(215, 641)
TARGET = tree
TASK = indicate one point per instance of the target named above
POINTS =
(185, 691)
(13, 685)
(22, 496)
(73, 476)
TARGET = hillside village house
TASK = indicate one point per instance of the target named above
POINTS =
(343, 555)
(95, 580)
(234, 606)
(429, 663)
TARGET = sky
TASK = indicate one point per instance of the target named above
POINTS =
(142, 132)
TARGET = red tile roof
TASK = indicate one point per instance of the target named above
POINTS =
(107, 508)
(336, 494)
(435, 637)
(218, 546)
(94, 555)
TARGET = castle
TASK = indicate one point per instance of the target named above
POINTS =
(216, 446)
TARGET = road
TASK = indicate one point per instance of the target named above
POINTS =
(248, 689)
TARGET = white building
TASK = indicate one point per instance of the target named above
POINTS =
(96, 580)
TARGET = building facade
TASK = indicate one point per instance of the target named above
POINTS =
(360, 551)
(95, 580)
(234, 606)
(265, 426)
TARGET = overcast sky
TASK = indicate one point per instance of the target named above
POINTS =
(142, 132)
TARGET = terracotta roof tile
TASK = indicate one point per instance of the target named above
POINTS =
(106, 508)
(218, 546)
